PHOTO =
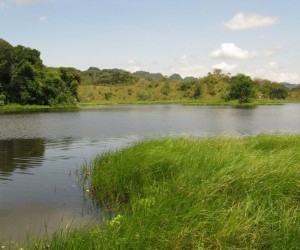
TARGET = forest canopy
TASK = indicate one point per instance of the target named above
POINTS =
(25, 80)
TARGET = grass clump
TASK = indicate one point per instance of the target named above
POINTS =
(215, 193)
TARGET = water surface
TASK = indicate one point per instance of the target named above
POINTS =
(40, 153)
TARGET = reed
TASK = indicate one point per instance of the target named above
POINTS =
(184, 193)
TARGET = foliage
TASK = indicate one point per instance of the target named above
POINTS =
(143, 96)
(241, 88)
(108, 95)
(25, 80)
(198, 91)
(5, 61)
(278, 91)
(165, 90)
(272, 90)
(2, 99)
(185, 86)
(214, 79)
(107, 76)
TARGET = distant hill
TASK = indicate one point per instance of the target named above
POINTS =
(148, 75)
(290, 85)
(190, 79)
(175, 77)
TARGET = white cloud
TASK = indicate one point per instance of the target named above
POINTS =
(271, 72)
(245, 21)
(271, 65)
(132, 66)
(185, 59)
(231, 51)
(270, 51)
(282, 77)
(225, 67)
(195, 70)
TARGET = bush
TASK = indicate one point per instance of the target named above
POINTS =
(165, 90)
(143, 96)
(241, 88)
(2, 99)
(198, 91)
(107, 95)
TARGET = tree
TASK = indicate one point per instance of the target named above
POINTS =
(214, 80)
(5, 61)
(26, 68)
(60, 86)
(25, 80)
(198, 91)
(241, 88)
(278, 91)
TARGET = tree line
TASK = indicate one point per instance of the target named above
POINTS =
(24, 79)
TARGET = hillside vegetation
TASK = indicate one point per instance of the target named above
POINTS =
(215, 193)
(25, 80)
(215, 87)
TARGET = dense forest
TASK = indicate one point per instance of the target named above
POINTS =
(24, 79)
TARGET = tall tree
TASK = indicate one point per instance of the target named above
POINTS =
(26, 67)
(241, 88)
(5, 61)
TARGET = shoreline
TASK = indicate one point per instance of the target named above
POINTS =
(200, 193)
(10, 108)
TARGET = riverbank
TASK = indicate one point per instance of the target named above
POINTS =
(215, 193)
(34, 108)
(189, 103)
(12, 108)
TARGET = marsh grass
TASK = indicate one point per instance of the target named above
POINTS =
(214, 193)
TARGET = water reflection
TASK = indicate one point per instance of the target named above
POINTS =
(20, 155)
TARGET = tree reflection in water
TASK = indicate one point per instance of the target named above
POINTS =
(20, 154)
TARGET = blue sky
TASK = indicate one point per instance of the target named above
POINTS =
(190, 37)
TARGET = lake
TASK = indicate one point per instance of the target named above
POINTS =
(41, 153)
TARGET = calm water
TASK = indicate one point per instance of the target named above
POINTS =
(40, 153)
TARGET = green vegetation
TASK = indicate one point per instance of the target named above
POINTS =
(241, 88)
(96, 76)
(214, 193)
(214, 88)
(25, 80)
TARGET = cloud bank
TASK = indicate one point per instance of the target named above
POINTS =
(243, 21)
(231, 51)
(225, 67)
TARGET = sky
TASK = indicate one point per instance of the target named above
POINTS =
(259, 38)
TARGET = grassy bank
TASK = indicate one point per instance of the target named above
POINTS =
(32, 108)
(220, 193)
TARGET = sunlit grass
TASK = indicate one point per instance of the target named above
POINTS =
(215, 193)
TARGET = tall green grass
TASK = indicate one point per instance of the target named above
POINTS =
(215, 193)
